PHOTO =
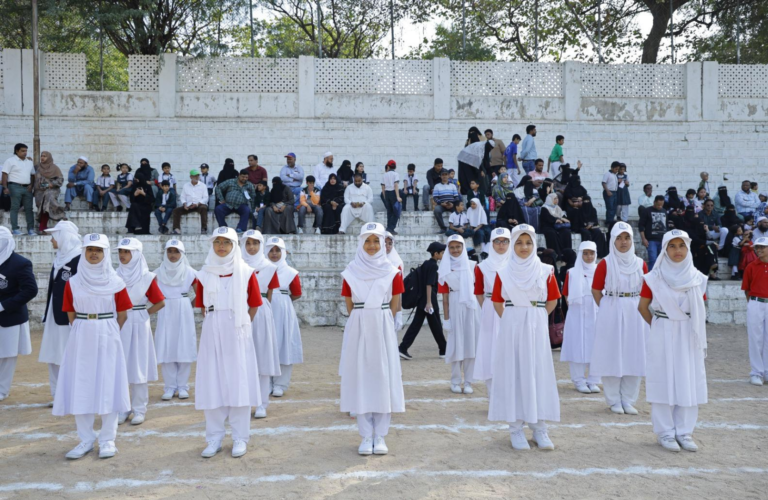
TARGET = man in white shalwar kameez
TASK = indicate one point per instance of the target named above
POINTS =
(358, 203)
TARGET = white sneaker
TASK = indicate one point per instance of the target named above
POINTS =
(542, 441)
(593, 388)
(168, 395)
(138, 419)
(107, 450)
(755, 380)
(455, 388)
(239, 448)
(3, 396)
(687, 443)
(379, 446)
(183, 394)
(260, 412)
(79, 451)
(212, 449)
(629, 409)
(468, 388)
(366, 447)
(519, 441)
(617, 408)
(122, 417)
(669, 443)
(299, 230)
(352, 414)
(277, 392)
(317, 230)
(582, 388)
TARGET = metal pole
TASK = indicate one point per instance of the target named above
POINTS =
(36, 83)
(392, 24)
(738, 35)
(536, 31)
(463, 30)
(319, 31)
(599, 32)
(253, 49)
(101, 58)
(672, 30)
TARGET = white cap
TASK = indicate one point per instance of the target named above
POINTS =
(174, 243)
(130, 244)
(95, 240)
(762, 218)
(373, 228)
(226, 232)
(84, 158)
(327, 154)
(762, 241)
(64, 225)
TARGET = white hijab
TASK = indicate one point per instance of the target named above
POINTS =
(366, 269)
(233, 264)
(496, 261)
(174, 273)
(7, 244)
(477, 215)
(459, 272)
(285, 273)
(393, 256)
(618, 263)
(101, 278)
(683, 277)
(67, 238)
(582, 274)
(526, 273)
(259, 260)
(553, 209)
(136, 273)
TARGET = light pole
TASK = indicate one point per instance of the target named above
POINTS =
(672, 30)
(36, 84)
(463, 30)
(253, 49)
(319, 31)
(392, 25)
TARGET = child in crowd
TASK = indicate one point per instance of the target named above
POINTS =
(175, 334)
(390, 195)
(136, 333)
(209, 181)
(452, 177)
(749, 222)
(105, 186)
(690, 198)
(286, 323)
(705, 183)
(747, 251)
(646, 200)
(165, 202)
(458, 222)
(121, 196)
(624, 200)
(734, 255)
(410, 188)
(360, 168)
(478, 223)
(371, 290)
(456, 281)
(755, 286)
(166, 176)
(556, 157)
(698, 201)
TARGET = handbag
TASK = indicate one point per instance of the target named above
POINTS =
(556, 326)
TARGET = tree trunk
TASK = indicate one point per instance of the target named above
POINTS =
(659, 29)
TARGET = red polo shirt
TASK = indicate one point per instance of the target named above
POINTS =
(755, 280)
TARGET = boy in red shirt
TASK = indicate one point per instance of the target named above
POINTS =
(755, 286)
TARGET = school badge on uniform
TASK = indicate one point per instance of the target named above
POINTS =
(3, 282)
(676, 232)
(94, 237)
(370, 227)
(222, 230)
(125, 242)
(174, 242)
(66, 273)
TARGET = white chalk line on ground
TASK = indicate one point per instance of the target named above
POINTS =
(167, 479)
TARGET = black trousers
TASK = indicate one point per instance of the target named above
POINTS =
(418, 321)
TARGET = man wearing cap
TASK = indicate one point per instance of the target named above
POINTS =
(761, 229)
(18, 178)
(292, 175)
(755, 286)
(236, 195)
(194, 198)
(209, 181)
(79, 183)
(323, 170)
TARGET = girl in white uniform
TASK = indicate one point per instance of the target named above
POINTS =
(395, 260)
(138, 346)
(93, 379)
(286, 322)
(618, 356)
(485, 277)
(676, 383)
(227, 378)
(263, 327)
(456, 281)
(579, 332)
(371, 379)
(524, 386)
(175, 334)
(65, 238)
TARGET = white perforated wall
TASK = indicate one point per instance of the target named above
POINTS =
(143, 73)
(1, 69)
(742, 80)
(633, 80)
(237, 74)
(506, 79)
(64, 71)
(371, 76)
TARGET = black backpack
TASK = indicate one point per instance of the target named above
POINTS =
(413, 289)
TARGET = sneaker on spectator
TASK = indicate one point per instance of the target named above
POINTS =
(16, 232)
(299, 230)
(317, 230)
(31, 232)
(204, 230)
(404, 354)
(177, 231)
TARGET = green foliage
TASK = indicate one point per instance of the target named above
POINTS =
(447, 42)
(719, 43)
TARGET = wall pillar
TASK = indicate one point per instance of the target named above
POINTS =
(166, 86)
(12, 81)
(710, 109)
(693, 91)
(441, 81)
(572, 89)
(306, 87)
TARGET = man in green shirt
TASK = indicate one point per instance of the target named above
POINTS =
(556, 156)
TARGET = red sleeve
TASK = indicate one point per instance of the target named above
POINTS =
(199, 295)
(254, 294)
(275, 283)
(565, 284)
(745, 282)
(646, 292)
(496, 295)
(705, 296)
(598, 282)
(154, 294)
(398, 286)
(67, 304)
(479, 281)
(645, 268)
(194, 284)
(295, 287)
(345, 290)
(443, 288)
(553, 290)
(123, 301)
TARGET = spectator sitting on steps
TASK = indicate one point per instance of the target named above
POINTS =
(80, 183)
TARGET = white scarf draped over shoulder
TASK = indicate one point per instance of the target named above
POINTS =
(101, 278)
(476, 216)
(7, 244)
(136, 273)
(285, 273)
(496, 261)
(370, 275)
(67, 238)
(524, 279)
(581, 275)
(618, 263)
(258, 261)
(393, 256)
(174, 273)
(458, 273)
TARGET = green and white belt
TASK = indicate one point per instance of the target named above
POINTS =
(623, 294)
(488, 295)
(210, 309)
(285, 292)
(534, 303)
(142, 307)
(759, 299)
(264, 295)
(662, 314)
(94, 316)
(361, 305)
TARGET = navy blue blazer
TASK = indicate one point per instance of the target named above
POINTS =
(56, 285)
(17, 287)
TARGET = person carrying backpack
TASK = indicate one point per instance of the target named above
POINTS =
(427, 306)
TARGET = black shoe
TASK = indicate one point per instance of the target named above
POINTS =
(714, 278)
(405, 355)
(119, 209)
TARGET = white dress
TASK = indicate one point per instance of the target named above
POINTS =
(54, 339)
(461, 343)
(286, 326)
(227, 371)
(489, 330)
(175, 333)
(371, 378)
(138, 346)
(263, 328)
(93, 378)
(675, 365)
(15, 341)
(579, 331)
(524, 383)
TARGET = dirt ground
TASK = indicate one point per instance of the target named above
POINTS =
(442, 447)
